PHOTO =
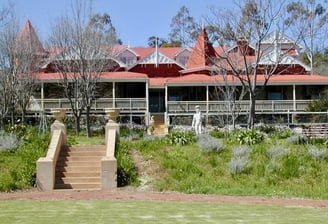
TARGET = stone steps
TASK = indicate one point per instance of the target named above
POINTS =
(79, 167)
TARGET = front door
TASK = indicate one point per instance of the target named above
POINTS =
(156, 100)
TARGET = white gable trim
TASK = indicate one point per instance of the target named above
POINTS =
(156, 58)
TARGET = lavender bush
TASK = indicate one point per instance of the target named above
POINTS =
(209, 143)
(237, 165)
(276, 151)
(9, 141)
(317, 153)
(241, 151)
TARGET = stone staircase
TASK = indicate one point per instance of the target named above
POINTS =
(79, 167)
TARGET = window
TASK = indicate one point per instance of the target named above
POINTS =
(128, 60)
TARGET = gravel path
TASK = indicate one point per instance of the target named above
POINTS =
(132, 194)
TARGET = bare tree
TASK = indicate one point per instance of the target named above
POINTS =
(8, 34)
(28, 55)
(85, 43)
(309, 18)
(19, 63)
(227, 90)
(247, 61)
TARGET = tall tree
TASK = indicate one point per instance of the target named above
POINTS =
(103, 24)
(183, 28)
(86, 45)
(8, 33)
(247, 28)
(154, 41)
(309, 17)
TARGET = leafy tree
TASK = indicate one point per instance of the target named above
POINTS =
(309, 17)
(320, 104)
(103, 23)
(183, 27)
(154, 41)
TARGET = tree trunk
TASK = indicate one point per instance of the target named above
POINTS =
(251, 115)
(88, 121)
(23, 116)
(77, 124)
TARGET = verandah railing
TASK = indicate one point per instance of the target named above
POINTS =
(140, 104)
(124, 104)
(241, 106)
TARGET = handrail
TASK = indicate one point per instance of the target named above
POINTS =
(46, 166)
(108, 162)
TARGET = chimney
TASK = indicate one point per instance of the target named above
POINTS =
(242, 46)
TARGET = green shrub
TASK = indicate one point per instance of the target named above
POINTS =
(126, 170)
(290, 167)
(29, 153)
(281, 134)
(149, 144)
(180, 138)
(132, 131)
(248, 137)
(217, 133)
(268, 129)
(7, 183)
(19, 167)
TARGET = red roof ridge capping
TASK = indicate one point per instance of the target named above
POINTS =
(202, 53)
(28, 36)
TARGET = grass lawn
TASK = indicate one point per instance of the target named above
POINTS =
(99, 211)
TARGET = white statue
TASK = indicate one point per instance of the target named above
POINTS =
(151, 126)
(197, 121)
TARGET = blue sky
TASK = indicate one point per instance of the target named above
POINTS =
(135, 20)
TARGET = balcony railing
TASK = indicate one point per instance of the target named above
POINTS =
(130, 105)
(240, 106)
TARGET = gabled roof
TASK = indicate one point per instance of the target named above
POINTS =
(156, 57)
(277, 56)
(129, 50)
(29, 39)
(101, 54)
(181, 50)
(281, 39)
(202, 54)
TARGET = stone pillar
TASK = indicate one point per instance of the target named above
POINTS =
(58, 124)
(112, 114)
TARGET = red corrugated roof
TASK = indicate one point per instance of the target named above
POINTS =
(124, 75)
(143, 52)
(199, 79)
(157, 82)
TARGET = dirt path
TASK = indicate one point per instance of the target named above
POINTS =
(133, 194)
